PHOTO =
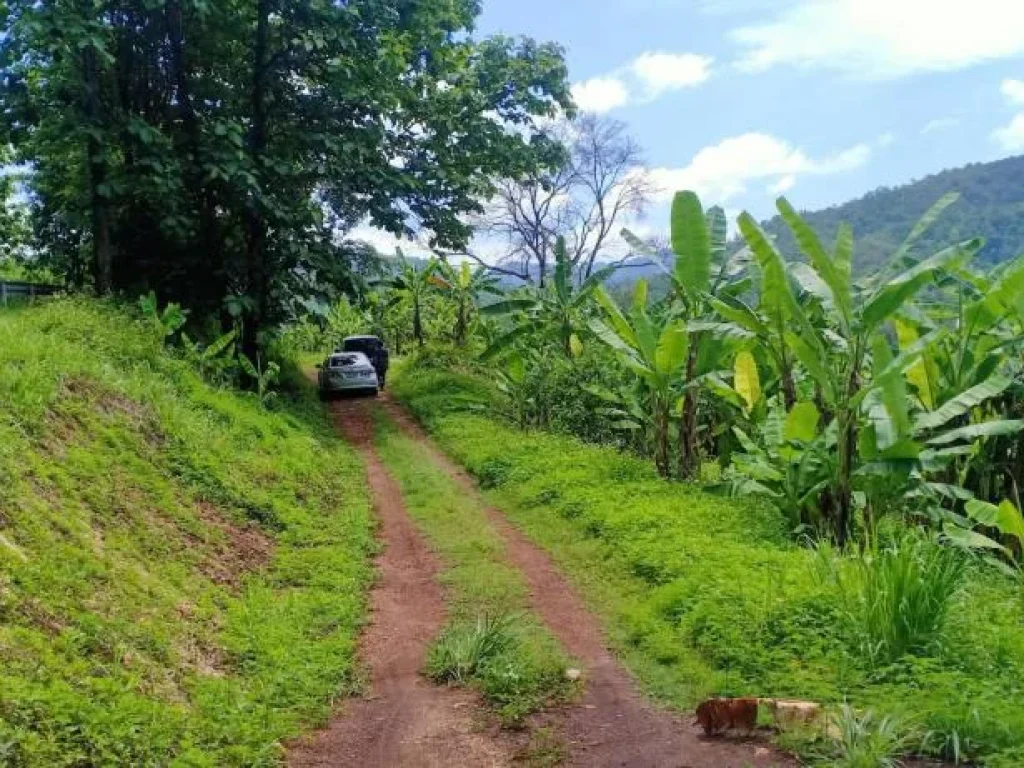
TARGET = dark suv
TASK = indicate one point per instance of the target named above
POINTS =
(373, 348)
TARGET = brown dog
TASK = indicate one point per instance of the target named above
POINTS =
(718, 715)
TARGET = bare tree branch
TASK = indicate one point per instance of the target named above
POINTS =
(602, 182)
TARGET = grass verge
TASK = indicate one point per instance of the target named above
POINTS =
(493, 642)
(182, 573)
(703, 595)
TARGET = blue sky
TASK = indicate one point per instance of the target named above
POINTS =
(822, 99)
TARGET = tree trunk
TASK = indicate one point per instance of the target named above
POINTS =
(102, 255)
(661, 421)
(843, 498)
(460, 324)
(417, 323)
(689, 452)
(788, 386)
(255, 221)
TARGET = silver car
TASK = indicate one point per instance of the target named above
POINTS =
(347, 372)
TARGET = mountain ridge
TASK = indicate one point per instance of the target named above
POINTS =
(991, 206)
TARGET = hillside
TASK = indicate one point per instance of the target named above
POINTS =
(182, 573)
(991, 206)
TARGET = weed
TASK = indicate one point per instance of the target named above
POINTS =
(866, 740)
(897, 597)
(464, 649)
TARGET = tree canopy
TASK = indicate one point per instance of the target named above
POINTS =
(215, 150)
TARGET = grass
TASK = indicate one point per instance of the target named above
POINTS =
(493, 642)
(703, 595)
(182, 573)
(897, 597)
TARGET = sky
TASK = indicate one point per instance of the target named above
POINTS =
(822, 100)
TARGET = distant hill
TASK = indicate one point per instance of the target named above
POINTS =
(991, 206)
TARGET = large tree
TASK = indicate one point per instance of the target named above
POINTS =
(599, 184)
(209, 149)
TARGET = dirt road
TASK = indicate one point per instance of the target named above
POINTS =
(405, 721)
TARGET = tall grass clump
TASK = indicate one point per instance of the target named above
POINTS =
(897, 596)
(464, 649)
(866, 740)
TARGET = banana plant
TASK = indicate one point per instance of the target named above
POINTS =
(859, 379)
(412, 286)
(653, 348)
(790, 461)
(559, 310)
(975, 373)
(700, 273)
(464, 285)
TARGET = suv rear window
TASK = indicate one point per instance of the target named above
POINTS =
(360, 345)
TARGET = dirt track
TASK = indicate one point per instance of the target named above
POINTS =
(405, 721)
(614, 725)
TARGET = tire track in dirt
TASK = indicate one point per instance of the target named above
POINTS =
(614, 724)
(403, 720)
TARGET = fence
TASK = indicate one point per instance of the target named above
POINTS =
(15, 289)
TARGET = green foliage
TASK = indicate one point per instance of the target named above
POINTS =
(704, 595)
(167, 321)
(263, 375)
(212, 151)
(182, 573)
(555, 313)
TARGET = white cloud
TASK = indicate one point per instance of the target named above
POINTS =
(721, 172)
(600, 94)
(940, 124)
(1011, 137)
(886, 139)
(1013, 90)
(783, 185)
(646, 77)
(885, 38)
(660, 72)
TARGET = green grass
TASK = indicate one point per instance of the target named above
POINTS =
(493, 641)
(182, 573)
(706, 595)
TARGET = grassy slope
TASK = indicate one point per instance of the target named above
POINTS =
(706, 595)
(478, 581)
(132, 496)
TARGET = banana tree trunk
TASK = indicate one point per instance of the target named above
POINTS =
(417, 323)
(661, 421)
(843, 494)
(689, 452)
(460, 325)
(788, 388)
